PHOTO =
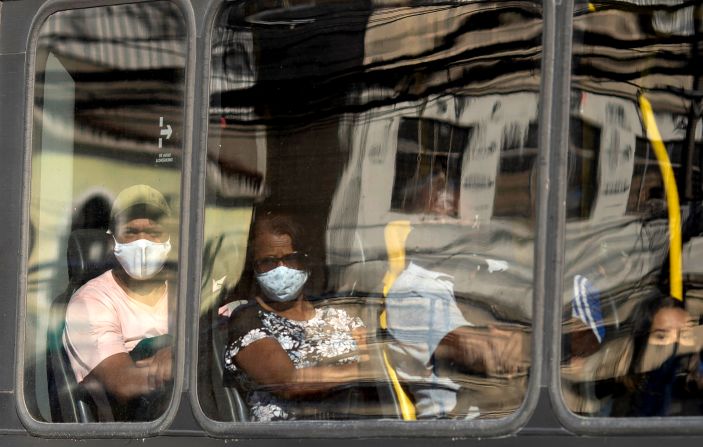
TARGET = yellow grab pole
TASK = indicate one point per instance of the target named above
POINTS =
(672, 197)
(407, 408)
(395, 234)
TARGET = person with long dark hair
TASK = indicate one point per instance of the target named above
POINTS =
(663, 377)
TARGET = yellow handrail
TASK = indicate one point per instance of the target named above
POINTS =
(672, 197)
(395, 234)
(407, 408)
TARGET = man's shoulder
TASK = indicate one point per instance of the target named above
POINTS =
(102, 286)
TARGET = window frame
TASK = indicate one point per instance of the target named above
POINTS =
(581, 425)
(110, 429)
(392, 428)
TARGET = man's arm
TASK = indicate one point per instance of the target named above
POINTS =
(125, 379)
(485, 350)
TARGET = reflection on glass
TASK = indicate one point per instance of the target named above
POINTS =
(632, 301)
(105, 192)
(402, 141)
(428, 167)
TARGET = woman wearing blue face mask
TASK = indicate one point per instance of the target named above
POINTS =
(285, 354)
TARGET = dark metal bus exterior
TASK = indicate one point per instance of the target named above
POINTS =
(547, 155)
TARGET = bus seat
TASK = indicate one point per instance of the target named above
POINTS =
(218, 401)
(229, 400)
(88, 255)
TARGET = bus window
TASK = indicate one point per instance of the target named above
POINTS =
(368, 219)
(632, 291)
(106, 155)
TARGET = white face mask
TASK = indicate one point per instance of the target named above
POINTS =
(142, 259)
(282, 283)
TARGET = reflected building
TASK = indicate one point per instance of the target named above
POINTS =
(620, 238)
(108, 111)
(370, 114)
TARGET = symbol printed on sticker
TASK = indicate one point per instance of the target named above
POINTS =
(165, 131)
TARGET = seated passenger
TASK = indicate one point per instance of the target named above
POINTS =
(112, 318)
(428, 327)
(285, 354)
(422, 315)
(664, 376)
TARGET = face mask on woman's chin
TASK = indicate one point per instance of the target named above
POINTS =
(142, 259)
(282, 284)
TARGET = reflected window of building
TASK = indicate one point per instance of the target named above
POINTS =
(106, 155)
(516, 182)
(583, 163)
(370, 171)
(632, 297)
(428, 167)
(647, 187)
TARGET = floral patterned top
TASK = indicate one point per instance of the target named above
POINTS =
(325, 337)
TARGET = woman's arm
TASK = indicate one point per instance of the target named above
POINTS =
(268, 364)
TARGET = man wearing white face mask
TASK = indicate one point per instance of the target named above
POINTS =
(110, 315)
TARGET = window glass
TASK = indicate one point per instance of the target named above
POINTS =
(423, 148)
(107, 146)
(632, 285)
(369, 224)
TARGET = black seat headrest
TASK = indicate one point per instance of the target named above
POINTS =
(89, 254)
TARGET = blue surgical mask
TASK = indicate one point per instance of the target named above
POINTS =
(282, 284)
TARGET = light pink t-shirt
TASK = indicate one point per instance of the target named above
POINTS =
(102, 320)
